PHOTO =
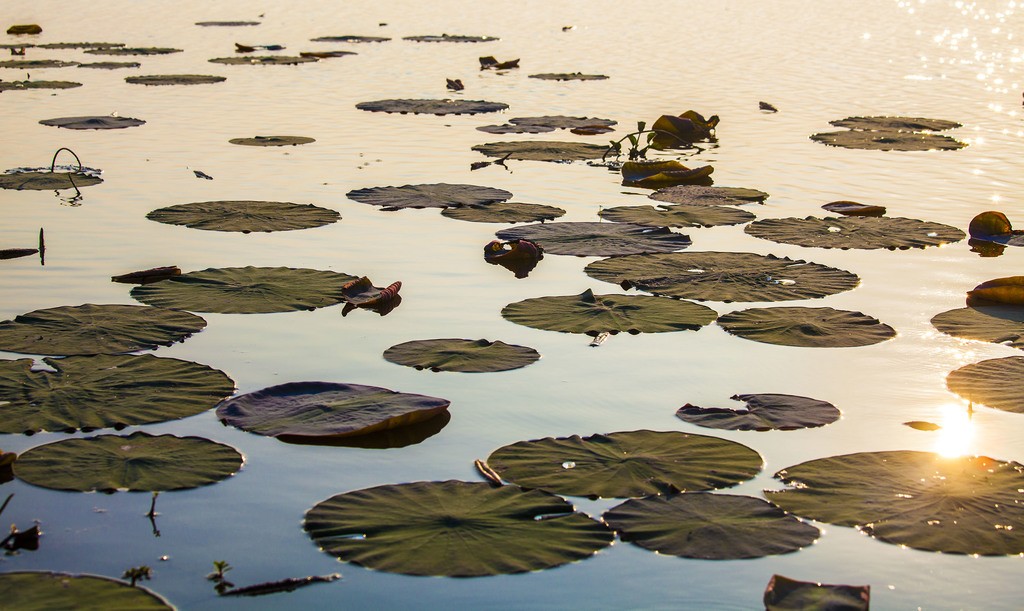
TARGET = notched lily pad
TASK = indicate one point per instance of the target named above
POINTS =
(175, 79)
(432, 107)
(785, 594)
(20, 85)
(263, 60)
(997, 324)
(568, 76)
(272, 140)
(450, 38)
(598, 239)
(709, 196)
(806, 327)
(245, 216)
(464, 355)
(350, 38)
(504, 212)
(677, 215)
(39, 590)
(764, 412)
(441, 195)
(859, 232)
(994, 382)
(542, 150)
(132, 51)
(93, 122)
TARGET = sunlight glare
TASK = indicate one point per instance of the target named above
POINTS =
(957, 432)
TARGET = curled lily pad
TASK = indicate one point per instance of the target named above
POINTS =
(626, 464)
(806, 327)
(349, 38)
(433, 107)
(100, 122)
(31, 590)
(110, 65)
(648, 174)
(34, 64)
(137, 462)
(441, 195)
(325, 409)
(272, 140)
(598, 239)
(263, 60)
(25, 28)
(517, 256)
(42, 179)
(542, 150)
(469, 356)
(962, 505)
(175, 79)
(96, 329)
(724, 276)
(996, 324)
(568, 76)
(860, 232)
(677, 215)
(503, 212)
(764, 412)
(998, 291)
(362, 294)
(93, 392)
(132, 51)
(246, 290)
(400, 437)
(682, 131)
(245, 216)
(854, 209)
(994, 382)
(709, 526)
(19, 85)
(993, 226)
(458, 529)
(709, 196)
(785, 594)
(450, 38)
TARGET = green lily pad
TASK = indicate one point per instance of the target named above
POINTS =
(962, 505)
(42, 179)
(326, 409)
(994, 382)
(272, 141)
(19, 85)
(469, 356)
(93, 392)
(246, 290)
(568, 76)
(677, 215)
(709, 196)
(626, 464)
(806, 327)
(80, 45)
(785, 594)
(100, 122)
(511, 128)
(132, 51)
(454, 529)
(542, 150)
(764, 412)
(598, 239)
(442, 195)
(139, 462)
(350, 38)
(503, 212)
(432, 107)
(110, 65)
(450, 38)
(39, 591)
(34, 64)
(245, 216)
(96, 329)
(996, 324)
(709, 526)
(595, 314)
(263, 60)
(860, 232)
(175, 79)
(724, 276)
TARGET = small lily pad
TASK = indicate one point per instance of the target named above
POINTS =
(349, 38)
(38, 591)
(42, 179)
(562, 121)
(272, 140)
(81, 45)
(996, 324)
(709, 526)
(598, 239)
(511, 128)
(25, 28)
(245, 216)
(132, 51)
(110, 65)
(263, 60)
(20, 85)
(432, 107)
(901, 124)
(854, 209)
(101, 122)
(994, 382)
(806, 327)
(764, 412)
(464, 355)
(542, 150)
(859, 232)
(785, 594)
(139, 462)
(709, 196)
(450, 38)
(441, 195)
(677, 215)
(35, 64)
(568, 76)
(175, 79)
(226, 24)
(504, 212)
(888, 141)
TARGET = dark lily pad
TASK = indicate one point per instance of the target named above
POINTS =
(901, 124)
(542, 150)
(764, 412)
(450, 38)
(272, 140)
(562, 121)
(854, 209)
(468, 356)
(19, 85)
(132, 51)
(432, 107)
(245, 216)
(921, 425)
(81, 45)
(42, 179)
(137, 462)
(568, 76)
(226, 24)
(626, 464)
(511, 128)
(503, 212)
(598, 239)
(724, 276)
(709, 196)
(101, 122)
(860, 232)
(35, 64)
(806, 327)
(657, 174)
(94, 392)
(110, 65)
(994, 382)
(458, 529)
(175, 79)
(325, 409)
(25, 28)
(246, 290)
(962, 505)
(785, 594)
(30, 590)
(888, 140)
(350, 39)
(993, 226)
(677, 215)
(709, 526)
(96, 329)
(998, 291)
(263, 60)
(441, 195)
(996, 324)
(401, 437)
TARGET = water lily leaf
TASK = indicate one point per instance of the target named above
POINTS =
(961, 505)
(785, 594)
(855, 232)
(677, 215)
(807, 327)
(39, 591)
(110, 65)
(19, 85)
(994, 382)
(80, 45)
(245, 216)
(44, 180)
(350, 39)
(902, 124)
(246, 290)
(568, 76)
(139, 462)
(458, 529)
(504, 212)
(132, 51)
(96, 329)
(542, 150)
(450, 38)
(996, 324)
(854, 209)
(465, 355)
(1000, 291)
(888, 141)
(653, 174)
(709, 196)
(26, 28)
(626, 464)
(921, 425)
(709, 526)
(93, 392)
(106, 122)
(263, 60)
(145, 276)
(441, 195)
(724, 276)
(598, 239)
(226, 24)
(764, 412)
(511, 128)
(174, 79)
(32, 64)
(432, 107)
(272, 140)
(682, 131)
(400, 437)
(326, 409)
(562, 121)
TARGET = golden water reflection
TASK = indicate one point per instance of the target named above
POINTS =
(956, 436)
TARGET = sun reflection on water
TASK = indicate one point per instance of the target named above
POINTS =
(956, 436)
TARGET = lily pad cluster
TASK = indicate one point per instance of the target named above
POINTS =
(891, 134)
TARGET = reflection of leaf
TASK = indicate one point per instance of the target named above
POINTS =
(785, 594)
(38, 590)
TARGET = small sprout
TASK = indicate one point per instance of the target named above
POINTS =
(137, 573)
(220, 567)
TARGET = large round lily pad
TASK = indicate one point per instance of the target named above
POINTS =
(764, 412)
(598, 239)
(20, 85)
(861, 232)
(709, 526)
(441, 195)
(175, 79)
(450, 38)
(470, 356)
(995, 383)
(454, 529)
(100, 122)
(962, 505)
(724, 276)
(39, 591)
(96, 329)
(626, 464)
(326, 409)
(263, 60)
(432, 107)
(132, 51)
(245, 216)
(806, 327)
(246, 290)
(996, 324)
(709, 196)
(137, 462)
(677, 215)
(568, 76)
(93, 392)
(272, 140)
(504, 212)
(42, 179)
(542, 150)
(595, 314)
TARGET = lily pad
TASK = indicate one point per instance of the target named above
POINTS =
(542, 150)
(901, 124)
(432, 107)
(350, 38)
(654, 174)
(568, 76)
(888, 141)
(562, 121)
(724, 276)
(110, 65)
(677, 215)
(854, 209)
(860, 232)
(709, 526)
(246, 290)
(504, 212)
(25, 28)
(996, 324)
(93, 392)
(598, 239)
(245, 216)
(458, 529)
(709, 196)
(806, 327)
(441, 195)
(226, 24)
(19, 85)
(81, 45)
(136, 463)
(998, 291)
(325, 409)
(450, 38)
(35, 64)
(132, 51)
(764, 412)
(272, 140)
(511, 128)
(263, 60)
(175, 79)
(994, 382)
(626, 464)
(42, 179)
(962, 505)
(39, 591)
(401, 437)
(785, 594)
(101, 122)
(96, 329)
(468, 356)
(993, 226)
(921, 425)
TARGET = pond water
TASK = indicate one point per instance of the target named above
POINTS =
(814, 62)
